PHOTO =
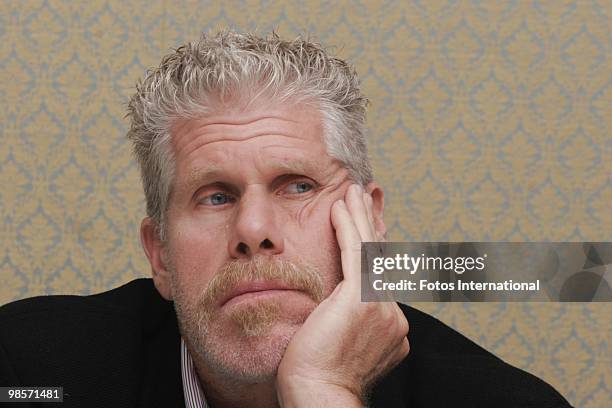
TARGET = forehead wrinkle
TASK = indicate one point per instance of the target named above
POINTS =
(231, 120)
(198, 143)
(216, 136)
(224, 120)
(199, 124)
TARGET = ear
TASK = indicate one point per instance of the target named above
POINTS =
(378, 207)
(156, 252)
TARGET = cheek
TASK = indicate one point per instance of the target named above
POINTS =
(198, 253)
(314, 239)
(313, 212)
(313, 224)
(318, 210)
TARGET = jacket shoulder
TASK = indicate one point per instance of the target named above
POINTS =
(120, 299)
(428, 335)
(79, 341)
(445, 368)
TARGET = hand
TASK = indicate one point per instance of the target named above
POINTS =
(345, 344)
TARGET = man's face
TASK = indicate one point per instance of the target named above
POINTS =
(251, 189)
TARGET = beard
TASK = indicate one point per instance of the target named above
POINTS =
(245, 343)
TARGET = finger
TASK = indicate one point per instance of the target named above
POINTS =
(348, 241)
(357, 209)
(404, 349)
(402, 345)
(367, 199)
(399, 351)
(404, 325)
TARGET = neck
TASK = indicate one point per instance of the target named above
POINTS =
(232, 395)
(226, 393)
(222, 391)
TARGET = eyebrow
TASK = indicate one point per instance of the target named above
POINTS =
(212, 170)
(200, 174)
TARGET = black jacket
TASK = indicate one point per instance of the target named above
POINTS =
(121, 348)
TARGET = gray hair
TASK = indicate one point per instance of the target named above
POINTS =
(204, 76)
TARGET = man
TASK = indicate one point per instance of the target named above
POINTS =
(259, 194)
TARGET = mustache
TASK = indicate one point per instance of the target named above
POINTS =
(295, 275)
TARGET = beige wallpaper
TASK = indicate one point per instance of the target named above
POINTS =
(490, 121)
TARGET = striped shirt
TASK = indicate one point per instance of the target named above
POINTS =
(194, 397)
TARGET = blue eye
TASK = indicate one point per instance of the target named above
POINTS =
(301, 187)
(217, 199)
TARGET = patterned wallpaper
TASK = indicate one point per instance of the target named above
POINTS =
(489, 121)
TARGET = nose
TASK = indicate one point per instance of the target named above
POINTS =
(256, 227)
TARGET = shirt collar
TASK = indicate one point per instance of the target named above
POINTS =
(194, 396)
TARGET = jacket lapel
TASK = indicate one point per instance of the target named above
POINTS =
(162, 384)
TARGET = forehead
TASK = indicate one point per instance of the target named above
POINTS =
(286, 137)
(297, 121)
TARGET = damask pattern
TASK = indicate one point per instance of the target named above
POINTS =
(489, 122)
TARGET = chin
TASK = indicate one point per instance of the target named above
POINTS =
(245, 342)
(247, 358)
